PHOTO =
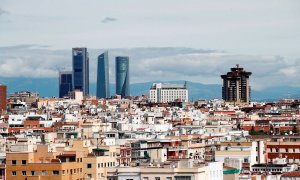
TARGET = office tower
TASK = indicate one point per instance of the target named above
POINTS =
(3, 94)
(81, 70)
(103, 76)
(65, 83)
(168, 93)
(122, 76)
(236, 87)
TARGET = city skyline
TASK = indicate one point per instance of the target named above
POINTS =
(154, 64)
(260, 36)
(149, 90)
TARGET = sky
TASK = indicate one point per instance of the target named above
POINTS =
(205, 38)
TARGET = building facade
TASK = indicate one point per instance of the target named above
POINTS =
(122, 76)
(81, 70)
(236, 86)
(103, 76)
(65, 83)
(161, 93)
(44, 165)
(3, 94)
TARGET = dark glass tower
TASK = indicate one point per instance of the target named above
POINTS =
(81, 70)
(103, 76)
(65, 83)
(122, 76)
(236, 86)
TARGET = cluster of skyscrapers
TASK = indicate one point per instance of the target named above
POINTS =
(78, 78)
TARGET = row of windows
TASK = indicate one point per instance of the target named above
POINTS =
(14, 162)
(44, 172)
(167, 178)
(101, 165)
(171, 94)
(267, 170)
(286, 149)
(35, 173)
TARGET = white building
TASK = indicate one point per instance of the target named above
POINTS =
(168, 93)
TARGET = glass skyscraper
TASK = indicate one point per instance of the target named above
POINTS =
(65, 83)
(122, 76)
(81, 70)
(103, 76)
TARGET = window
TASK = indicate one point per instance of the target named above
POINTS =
(24, 173)
(245, 160)
(55, 173)
(14, 173)
(286, 150)
(157, 178)
(23, 162)
(145, 178)
(89, 165)
(182, 177)
(14, 162)
(63, 172)
(33, 173)
(44, 173)
(89, 175)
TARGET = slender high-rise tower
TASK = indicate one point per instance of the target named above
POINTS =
(65, 83)
(81, 70)
(103, 76)
(236, 86)
(122, 76)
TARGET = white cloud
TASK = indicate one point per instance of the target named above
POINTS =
(290, 71)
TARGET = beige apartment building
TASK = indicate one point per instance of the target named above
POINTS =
(97, 163)
(45, 165)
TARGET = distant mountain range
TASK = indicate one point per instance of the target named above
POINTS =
(48, 87)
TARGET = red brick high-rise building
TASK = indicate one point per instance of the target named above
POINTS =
(3, 100)
(236, 86)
